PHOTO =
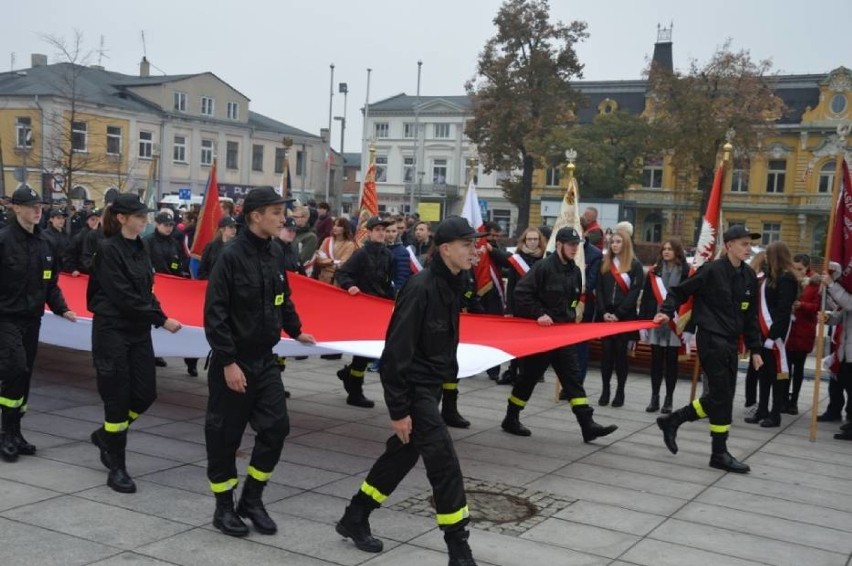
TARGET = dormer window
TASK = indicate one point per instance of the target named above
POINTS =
(180, 102)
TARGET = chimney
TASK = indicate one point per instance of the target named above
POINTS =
(324, 135)
(144, 68)
(39, 60)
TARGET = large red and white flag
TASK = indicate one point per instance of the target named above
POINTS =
(208, 216)
(841, 241)
(486, 340)
(486, 274)
(369, 205)
(569, 215)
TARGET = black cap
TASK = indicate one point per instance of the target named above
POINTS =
(26, 196)
(376, 221)
(94, 212)
(738, 231)
(58, 212)
(128, 203)
(227, 221)
(260, 197)
(164, 218)
(455, 228)
(290, 223)
(568, 235)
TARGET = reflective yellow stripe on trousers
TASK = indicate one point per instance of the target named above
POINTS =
(719, 427)
(224, 486)
(258, 475)
(696, 404)
(373, 493)
(446, 519)
(11, 403)
(115, 427)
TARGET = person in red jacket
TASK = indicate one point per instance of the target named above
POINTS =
(802, 335)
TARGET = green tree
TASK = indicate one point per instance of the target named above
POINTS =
(521, 91)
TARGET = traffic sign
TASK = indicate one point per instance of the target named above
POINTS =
(185, 194)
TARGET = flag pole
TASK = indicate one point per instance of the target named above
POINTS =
(571, 155)
(820, 352)
(696, 368)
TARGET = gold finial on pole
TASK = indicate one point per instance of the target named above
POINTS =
(728, 147)
(372, 150)
(571, 156)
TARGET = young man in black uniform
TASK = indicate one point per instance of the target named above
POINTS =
(84, 244)
(29, 270)
(419, 356)
(549, 293)
(247, 305)
(725, 292)
(368, 271)
(57, 235)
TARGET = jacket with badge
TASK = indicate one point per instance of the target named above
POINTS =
(423, 335)
(29, 270)
(248, 300)
(550, 288)
(167, 254)
(371, 269)
(725, 301)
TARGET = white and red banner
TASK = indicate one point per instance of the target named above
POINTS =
(486, 275)
(841, 241)
(486, 340)
(569, 215)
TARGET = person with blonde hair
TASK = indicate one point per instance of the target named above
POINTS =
(619, 285)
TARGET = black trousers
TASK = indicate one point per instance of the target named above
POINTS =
(718, 356)
(566, 366)
(751, 386)
(18, 347)
(664, 362)
(614, 356)
(124, 365)
(263, 406)
(796, 361)
(836, 389)
(770, 385)
(431, 441)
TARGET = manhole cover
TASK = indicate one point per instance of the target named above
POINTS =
(496, 507)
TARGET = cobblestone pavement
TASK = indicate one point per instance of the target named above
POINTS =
(622, 500)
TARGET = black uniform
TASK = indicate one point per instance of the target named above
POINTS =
(208, 258)
(61, 243)
(247, 305)
(370, 269)
(292, 262)
(167, 254)
(725, 308)
(29, 270)
(551, 288)
(419, 356)
(81, 253)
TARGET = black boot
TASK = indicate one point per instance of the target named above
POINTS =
(670, 423)
(653, 406)
(251, 507)
(24, 447)
(355, 524)
(722, 459)
(458, 549)
(667, 405)
(191, 366)
(618, 398)
(603, 401)
(512, 422)
(160, 362)
(99, 439)
(591, 429)
(118, 479)
(225, 518)
(510, 375)
(8, 445)
(450, 410)
(354, 388)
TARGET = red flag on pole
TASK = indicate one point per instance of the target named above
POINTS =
(841, 242)
(208, 217)
(484, 271)
(369, 205)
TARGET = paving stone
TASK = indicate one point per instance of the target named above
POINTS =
(168, 448)
(130, 559)
(658, 553)
(317, 458)
(802, 494)
(583, 538)
(87, 455)
(16, 494)
(97, 522)
(194, 478)
(159, 501)
(27, 545)
(611, 495)
(631, 480)
(49, 474)
(611, 517)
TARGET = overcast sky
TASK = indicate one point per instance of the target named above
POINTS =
(278, 52)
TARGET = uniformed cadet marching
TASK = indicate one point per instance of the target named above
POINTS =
(725, 292)
(58, 236)
(549, 293)
(121, 296)
(247, 305)
(29, 269)
(419, 356)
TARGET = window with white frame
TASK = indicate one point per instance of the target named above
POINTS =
(113, 140)
(552, 176)
(771, 232)
(207, 105)
(441, 131)
(466, 178)
(818, 247)
(207, 152)
(826, 178)
(652, 173)
(439, 171)
(280, 155)
(146, 144)
(257, 158)
(300, 163)
(180, 102)
(80, 136)
(739, 181)
(381, 168)
(382, 129)
(24, 132)
(407, 169)
(775, 176)
(409, 130)
(232, 155)
(179, 149)
(503, 217)
(233, 111)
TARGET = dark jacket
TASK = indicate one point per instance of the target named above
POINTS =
(725, 301)
(208, 258)
(248, 300)
(779, 299)
(550, 287)
(61, 243)
(121, 285)
(29, 270)
(501, 259)
(167, 254)
(421, 248)
(649, 307)
(593, 257)
(401, 265)
(292, 262)
(423, 336)
(803, 332)
(81, 253)
(613, 300)
(370, 269)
